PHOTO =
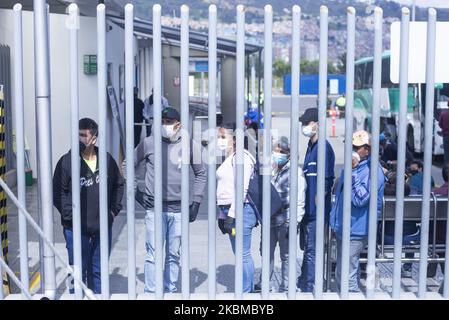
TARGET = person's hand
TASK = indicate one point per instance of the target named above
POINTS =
(355, 160)
(113, 215)
(221, 225)
(193, 211)
(229, 224)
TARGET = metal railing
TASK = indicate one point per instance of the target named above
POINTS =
(44, 154)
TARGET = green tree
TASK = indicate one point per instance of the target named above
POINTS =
(281, 68)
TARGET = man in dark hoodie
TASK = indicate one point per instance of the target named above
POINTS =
(89, 201)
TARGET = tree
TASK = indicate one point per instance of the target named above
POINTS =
(281, 68)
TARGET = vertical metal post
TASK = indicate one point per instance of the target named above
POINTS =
(266, 216)
(375, 130)
(347, 189)
(157, 116)
(20, 142)
(212, 179)
(399, 208)
(43, 124)
(294, 146)
(319, 261)
(75, 153)
(446, 260)
(259, 102)
(148, 85)
(104, 250)
(413, 10)
(185, 137)
(142, 78)
(240, 96)
(247, 66)
(202, 88)
(2, 294)
(130, 176)
(428, 141)
(253, 81)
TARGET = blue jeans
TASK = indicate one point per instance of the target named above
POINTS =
(249, 222)
(355, 248)
(171, 229)
(90, 258)
(306, 280)
(278, 234)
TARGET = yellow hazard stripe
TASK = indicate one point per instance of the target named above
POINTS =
(3, 212)
(36, 278)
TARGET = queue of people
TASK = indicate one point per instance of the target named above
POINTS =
(307, 197)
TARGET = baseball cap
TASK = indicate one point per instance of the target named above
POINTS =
(310, 114)
(171, 113)
(361, 138)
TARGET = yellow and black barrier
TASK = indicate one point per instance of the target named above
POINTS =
(3, 212)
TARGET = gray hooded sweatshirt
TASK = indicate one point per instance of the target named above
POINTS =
(171, 171)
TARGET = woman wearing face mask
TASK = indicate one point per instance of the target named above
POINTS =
(225, 201)
(224, 145)
(280, 221)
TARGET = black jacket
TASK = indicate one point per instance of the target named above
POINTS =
(90, 192)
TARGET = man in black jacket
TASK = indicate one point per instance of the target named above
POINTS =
(89, 201)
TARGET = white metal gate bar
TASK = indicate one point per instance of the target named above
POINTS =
(20, 141)
(403, 87)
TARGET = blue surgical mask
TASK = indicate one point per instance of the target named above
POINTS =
(280, 158)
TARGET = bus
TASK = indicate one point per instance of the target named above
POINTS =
(389, 110)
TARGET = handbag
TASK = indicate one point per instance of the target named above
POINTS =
(255, 194)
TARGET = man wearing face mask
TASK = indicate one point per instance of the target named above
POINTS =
(360, 198)
(309, 122)
(171, 195)
(280, 221)
(89, 200)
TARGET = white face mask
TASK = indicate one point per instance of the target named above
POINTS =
(222, 144)
(308, 131)
(168, 131)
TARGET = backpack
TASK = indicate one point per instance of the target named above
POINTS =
(255, 192)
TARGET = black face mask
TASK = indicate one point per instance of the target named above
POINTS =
(413, 172)
(82, 147)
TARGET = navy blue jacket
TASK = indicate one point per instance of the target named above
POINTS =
(310, 172)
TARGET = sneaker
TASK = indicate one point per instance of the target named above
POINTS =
(406, 271)
(258, 288)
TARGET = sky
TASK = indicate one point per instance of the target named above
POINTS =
(426, 3)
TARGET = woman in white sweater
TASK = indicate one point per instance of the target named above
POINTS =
(225, 201)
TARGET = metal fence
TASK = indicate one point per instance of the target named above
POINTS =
(44, 156)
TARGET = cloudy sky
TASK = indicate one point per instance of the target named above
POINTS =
(427, 3)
